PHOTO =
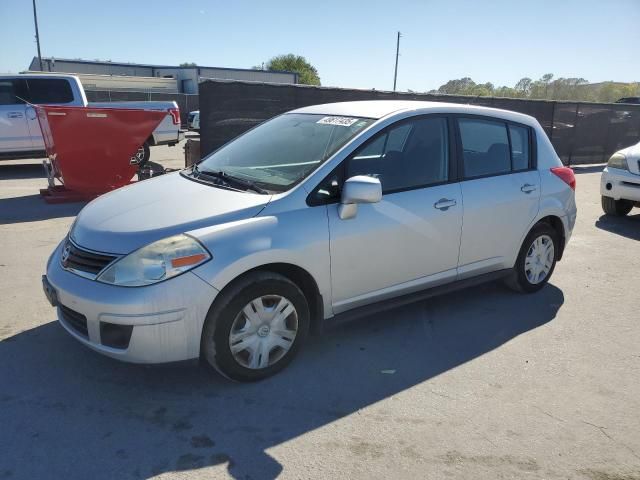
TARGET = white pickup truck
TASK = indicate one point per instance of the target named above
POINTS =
(20, 135)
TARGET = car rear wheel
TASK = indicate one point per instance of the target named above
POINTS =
(256, 327)
(616, 207)
(536, 259)
(141, 156)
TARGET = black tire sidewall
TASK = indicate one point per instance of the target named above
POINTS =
(616, 207)
(147, 155)
(215, 341)
(521, 276)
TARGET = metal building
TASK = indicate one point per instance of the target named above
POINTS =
(186, 78)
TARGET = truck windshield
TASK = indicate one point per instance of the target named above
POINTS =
(281, 152)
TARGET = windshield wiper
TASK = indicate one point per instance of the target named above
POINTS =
(230, 179)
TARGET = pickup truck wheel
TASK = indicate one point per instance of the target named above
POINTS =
(255, 327)
(142, 156)
(616, 207)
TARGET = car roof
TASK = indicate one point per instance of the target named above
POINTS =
(382, 108)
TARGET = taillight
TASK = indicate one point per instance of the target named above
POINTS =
(566, 175)
(175, 115)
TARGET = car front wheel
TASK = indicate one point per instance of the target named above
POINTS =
(536, 260)
(256, 327)
(616, 207)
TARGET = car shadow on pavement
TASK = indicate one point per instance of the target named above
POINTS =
(31, 208)
(22, 170)
(66, 412)
(627, 226)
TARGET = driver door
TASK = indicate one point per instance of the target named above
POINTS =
(410, 239)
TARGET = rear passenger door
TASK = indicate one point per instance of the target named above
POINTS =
(45, 91)
(500, 190)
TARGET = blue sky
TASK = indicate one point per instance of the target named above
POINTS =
(351, 43)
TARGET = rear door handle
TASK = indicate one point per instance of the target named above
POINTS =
(444, 204)
(14, 114)
(528, 188)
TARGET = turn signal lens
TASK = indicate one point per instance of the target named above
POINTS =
(189, 260)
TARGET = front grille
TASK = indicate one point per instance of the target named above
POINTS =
(75, 320)
(76, 258)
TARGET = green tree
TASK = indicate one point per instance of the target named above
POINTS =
(307, 73)
(523, 87)
(188, 64)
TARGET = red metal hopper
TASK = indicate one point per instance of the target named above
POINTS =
(90, 149)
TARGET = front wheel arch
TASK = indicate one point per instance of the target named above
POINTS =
(296, 274)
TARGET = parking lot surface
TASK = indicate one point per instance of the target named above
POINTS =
(482, 383)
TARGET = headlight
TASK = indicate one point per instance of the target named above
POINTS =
(618, 160)
(157, 261)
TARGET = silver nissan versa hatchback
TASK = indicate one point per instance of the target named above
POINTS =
(326, 211)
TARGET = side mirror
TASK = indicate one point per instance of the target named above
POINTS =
(358, 189)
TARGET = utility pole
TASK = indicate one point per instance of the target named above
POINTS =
(395, 73)
(35, 20)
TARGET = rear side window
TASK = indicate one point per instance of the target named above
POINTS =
(49, 90)
(485, 147)
(412, 154)
(492, 147)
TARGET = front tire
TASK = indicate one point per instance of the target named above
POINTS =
(536, 259)
(256, 327)
(618, 208)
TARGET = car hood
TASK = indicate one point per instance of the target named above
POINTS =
(631, 152)
(131, 217)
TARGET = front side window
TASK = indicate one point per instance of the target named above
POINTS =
(10, 92)
(412, 154)
(44, 91)
(281, 152)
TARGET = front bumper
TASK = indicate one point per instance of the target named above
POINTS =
(166, 318)
(620, 184)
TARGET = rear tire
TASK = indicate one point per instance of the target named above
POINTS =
(265, 340)
(536, 260)
(616, 207)
(142, 156)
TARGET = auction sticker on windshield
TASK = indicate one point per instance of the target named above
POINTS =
(341, 121)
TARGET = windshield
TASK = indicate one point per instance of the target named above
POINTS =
(281, 152)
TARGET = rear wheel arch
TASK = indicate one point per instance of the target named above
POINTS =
(558, 226)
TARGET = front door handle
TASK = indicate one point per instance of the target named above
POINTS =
(14, 115)
(444, 203)
(528, 188)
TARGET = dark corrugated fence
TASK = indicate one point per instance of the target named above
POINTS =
(580, 132)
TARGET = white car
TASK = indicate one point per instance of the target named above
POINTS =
(620, 181)
(193, 120)
(323, 212)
